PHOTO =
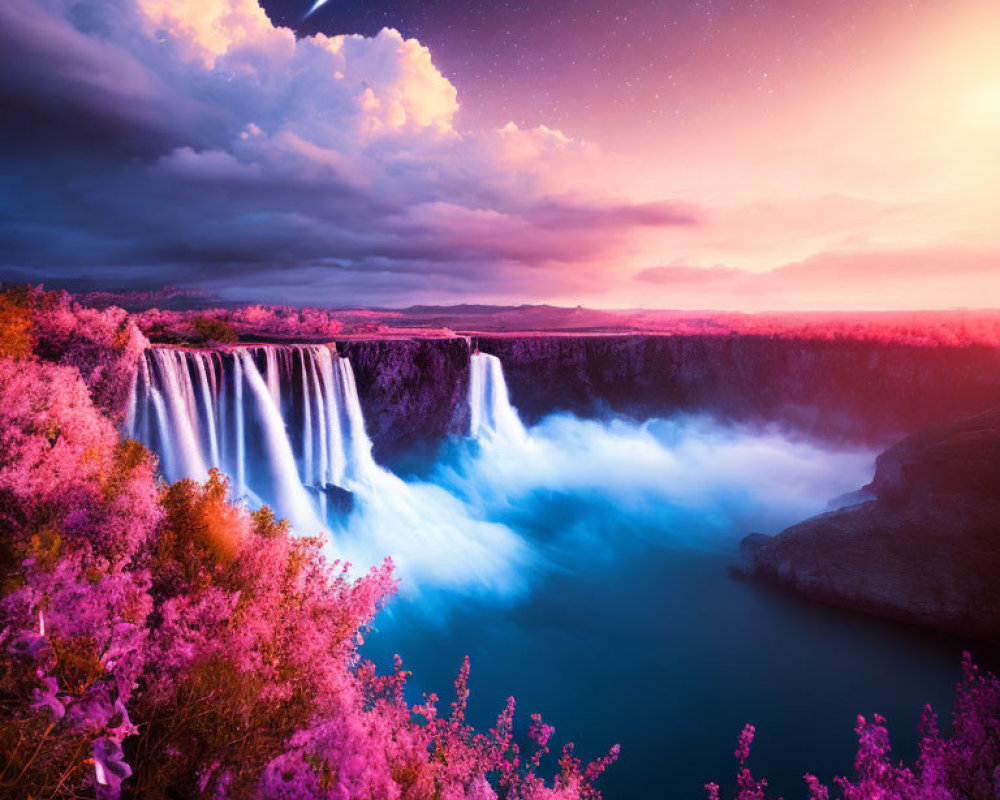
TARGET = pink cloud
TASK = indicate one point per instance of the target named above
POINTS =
(939, 277)
(688, 276)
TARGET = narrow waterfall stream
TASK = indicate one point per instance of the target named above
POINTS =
(491, 414)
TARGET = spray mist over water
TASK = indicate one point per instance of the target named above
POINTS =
(500, 505)
(631, 527)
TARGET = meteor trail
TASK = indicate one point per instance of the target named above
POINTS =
(315, 7)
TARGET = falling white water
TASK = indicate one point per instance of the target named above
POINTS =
(288, 488)
(273, 381)
(358, 446)
(240, 427)
(333, 458)
(200, 410)
(208, 404)
(176, 403)
(492, 415)
(307, 443)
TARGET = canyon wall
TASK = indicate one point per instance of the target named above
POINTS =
(926, 549)
(840, 390)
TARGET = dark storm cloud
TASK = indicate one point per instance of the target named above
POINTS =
(193, 144)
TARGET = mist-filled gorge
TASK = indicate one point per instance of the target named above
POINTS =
(583, 564)
(470, 520)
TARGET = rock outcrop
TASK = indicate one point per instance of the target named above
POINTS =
(925, 550)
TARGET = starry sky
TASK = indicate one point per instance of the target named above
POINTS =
(566, 64)
(636, 73)
(792, 154)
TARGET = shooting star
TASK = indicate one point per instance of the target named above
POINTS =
(315, 7)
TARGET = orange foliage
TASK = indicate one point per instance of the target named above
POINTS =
(16, 339)
(200, 515)
(215, 330)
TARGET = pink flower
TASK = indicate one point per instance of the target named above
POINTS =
(110, 768)
(47, 698)
(746, 740)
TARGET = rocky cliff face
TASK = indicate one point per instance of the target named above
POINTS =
(925, 550)
(414, 392)
(845, 389)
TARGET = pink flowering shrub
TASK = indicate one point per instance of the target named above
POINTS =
(77, 508)
(16, 339)
(254, 633)
(329, 758)
(962, 766)
(158, 641)
(102, 345)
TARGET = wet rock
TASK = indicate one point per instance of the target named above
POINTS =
(414, 392)
(339, 500)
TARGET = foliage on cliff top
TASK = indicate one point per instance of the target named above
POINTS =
(215, 330)
(226, 326)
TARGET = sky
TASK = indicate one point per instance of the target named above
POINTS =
(785, 155)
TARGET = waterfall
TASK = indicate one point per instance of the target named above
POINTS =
(491, 414)
(359, 446)
(176, 407)
(284, 421)
(240, 426)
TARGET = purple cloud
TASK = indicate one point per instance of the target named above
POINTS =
(192, 143)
